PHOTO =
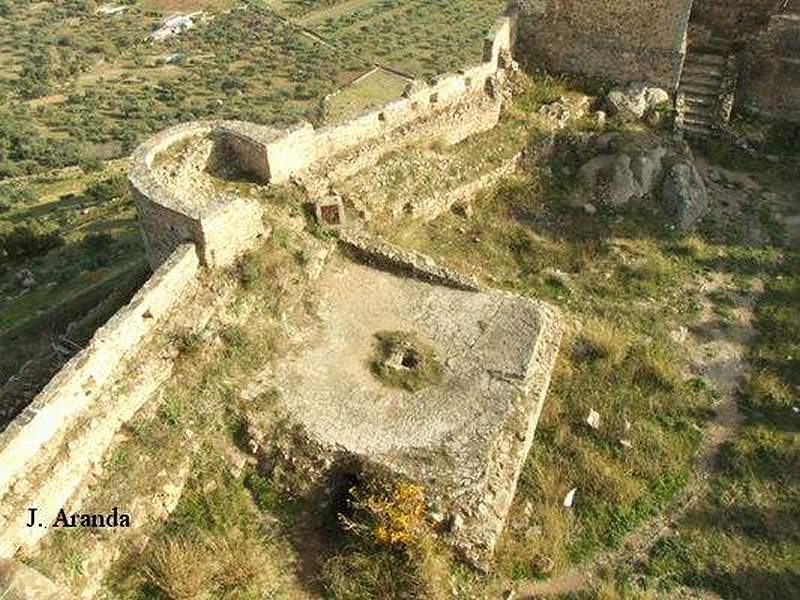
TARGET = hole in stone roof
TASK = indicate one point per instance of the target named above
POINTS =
(410, 360)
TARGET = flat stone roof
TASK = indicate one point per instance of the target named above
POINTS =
(465, 438)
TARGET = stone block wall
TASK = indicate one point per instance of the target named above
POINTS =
(770, 80)
(73, 400)
(621, 40)
(451, 108)
(163, 229)
(248, 155)
(732, 18)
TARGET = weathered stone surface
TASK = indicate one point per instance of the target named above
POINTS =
(71, 396)
(464, 440)
(635, 100)
(18, 582)
(616, 179)
(376, 252)
(685, 194)
(559, 113)
(622, 40)
(771, 78)
(647, 169)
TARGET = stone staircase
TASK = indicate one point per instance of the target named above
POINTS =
(704, 99)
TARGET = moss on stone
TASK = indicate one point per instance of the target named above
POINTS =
(403, 361)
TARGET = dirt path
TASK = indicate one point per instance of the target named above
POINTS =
(718, 352)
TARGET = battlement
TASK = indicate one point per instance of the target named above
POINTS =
(189, 222)
(169, 176)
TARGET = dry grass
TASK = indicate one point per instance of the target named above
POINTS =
(602, 340)
(198, 565)
(178, 569)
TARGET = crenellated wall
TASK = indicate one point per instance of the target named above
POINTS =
(47, 452)
(451, 108)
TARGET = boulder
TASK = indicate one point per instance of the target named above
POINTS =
(635, 100)
(567, 108)
(616, 179)
(685, 195)
(25, 279)
(647, 169)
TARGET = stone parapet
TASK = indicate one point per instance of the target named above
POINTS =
(271, 155)
(383, 255)
(40, 432)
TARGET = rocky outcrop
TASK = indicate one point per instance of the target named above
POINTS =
(635, 100)
(558, 114)
(685, 195)
(616, 179)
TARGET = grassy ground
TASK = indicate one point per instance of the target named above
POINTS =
(76, 239)
(373, 91)
(625, 282)
(221, 541)
(743, 541)
(623, 294)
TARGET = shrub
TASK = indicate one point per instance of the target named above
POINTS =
(389, 552)
(115, 186)
(97, 243)
(391, 515)
(188, 343)
(90, 164)
(28, 241)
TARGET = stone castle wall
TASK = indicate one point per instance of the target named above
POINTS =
(723, 19)
(452, 107)
(621, 40)
(770, 81)
(51, 447)
(42, 441)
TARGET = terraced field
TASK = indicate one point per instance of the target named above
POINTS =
(78, 86)
(71, 255)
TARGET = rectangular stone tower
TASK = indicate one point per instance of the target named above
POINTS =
(620, 40)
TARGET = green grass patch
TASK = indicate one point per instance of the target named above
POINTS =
(403, 361)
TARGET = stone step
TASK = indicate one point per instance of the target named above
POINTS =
(711, 71)
(707, 58)
(701, 79)
(721, 45)
(697, 100)
(700, 109)
(694, 130)
(698, 121)
(691, 88)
